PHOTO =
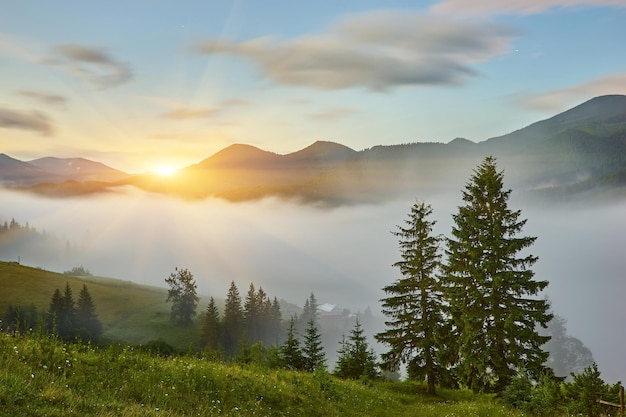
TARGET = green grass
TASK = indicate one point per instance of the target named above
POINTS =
(40, 376)
(131, 313)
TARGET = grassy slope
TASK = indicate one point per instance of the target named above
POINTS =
(41, 376)
(129, 312)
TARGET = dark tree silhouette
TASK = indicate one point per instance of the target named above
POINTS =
(211, 328)
(88, 326)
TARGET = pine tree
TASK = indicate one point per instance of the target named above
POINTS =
(274, 330)
(88, 326)
(211, 333)
(290, 351)
(355, 358)
(252, 315)
(488, 285)
(67, 316)
(312, 350)
(309, 312)
(233, 320)
(414, 302)
(183, 295)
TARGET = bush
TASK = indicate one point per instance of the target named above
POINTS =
(586, 389)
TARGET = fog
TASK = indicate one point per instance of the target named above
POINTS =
(342, 254)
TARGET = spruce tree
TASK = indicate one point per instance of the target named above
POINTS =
(252, 315)
(66, 319)
(290, 351)
(183, 295)
(490, 287)
(312, 350)
(233, 320)
(211, 327)
(88, 326)
(414, 302)
(275, 330)
(355, 358)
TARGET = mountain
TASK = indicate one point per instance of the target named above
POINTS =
(320, 153)
(77, 169)
(571, 153)
(607, 110)
(14, 172)
(238, 156)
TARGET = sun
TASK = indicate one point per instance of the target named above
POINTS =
(164, 170)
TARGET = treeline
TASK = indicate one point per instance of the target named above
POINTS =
(251, 330)
(67, 319)
(255, 319)
(24, 243)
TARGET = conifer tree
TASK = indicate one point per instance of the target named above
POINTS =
(309, 312)
(414, 302)
(252, 315)
(312, 350)
(211, 327)
(490, 287)
(290, 351)
(233, 320)
(183, 295)
(88, 326)
(355, 358)
(276, 330)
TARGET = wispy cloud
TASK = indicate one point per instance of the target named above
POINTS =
(185, 113)
(91, 64)
(332, 114)
(523, 7)
(235, 102)
(32, 121)
(375, 50)
(563, 98)
(43, 97)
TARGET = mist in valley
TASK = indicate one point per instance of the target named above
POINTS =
(342, 254)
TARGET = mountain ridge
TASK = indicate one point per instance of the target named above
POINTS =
(585, 142)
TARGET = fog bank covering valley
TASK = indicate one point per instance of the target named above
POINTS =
(343, 254)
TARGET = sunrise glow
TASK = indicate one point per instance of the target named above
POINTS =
(164, 170)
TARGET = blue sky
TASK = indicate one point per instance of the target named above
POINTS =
(146, 83)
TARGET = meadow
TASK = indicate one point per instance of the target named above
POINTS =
(41, 376)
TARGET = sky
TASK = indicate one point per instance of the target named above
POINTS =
(148, 83)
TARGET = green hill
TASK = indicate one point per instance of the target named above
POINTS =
(40, 376)
(129, 312)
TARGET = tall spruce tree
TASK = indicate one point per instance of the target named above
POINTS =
(233, 320)
(414, 302)
(88, 326)
(211, 333)
(490, 287)
(183, 295)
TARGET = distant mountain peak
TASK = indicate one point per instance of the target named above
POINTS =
(321, 152)
(461, 142)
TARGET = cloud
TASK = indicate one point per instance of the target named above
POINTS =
(33, 121)
(91, 64)
(235, 102)
(332, 114)
(44, 97)
(562, 99)
(375, 50)
(523, 7)
(185, 113)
